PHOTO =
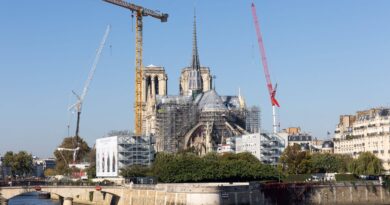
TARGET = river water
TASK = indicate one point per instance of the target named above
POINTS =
(31, 199)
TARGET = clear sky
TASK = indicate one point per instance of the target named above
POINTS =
(328, 58)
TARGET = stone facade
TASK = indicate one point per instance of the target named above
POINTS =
(184, 80)
(367, 131)
(154, 83)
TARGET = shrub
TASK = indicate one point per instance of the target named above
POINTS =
(188, 167)
(346, 177)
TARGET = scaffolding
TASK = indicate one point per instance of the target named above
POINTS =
(135, 150)
(272, 147)
(175, 117)
(253, 120)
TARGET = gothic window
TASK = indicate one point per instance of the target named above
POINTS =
(113, 163)
(103, 168)
(108, 163)
(156, 85)
(148, 87)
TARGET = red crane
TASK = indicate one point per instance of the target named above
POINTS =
(271, 89)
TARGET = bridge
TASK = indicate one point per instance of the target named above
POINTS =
(211, 193)
(150, 194)
(68, 194)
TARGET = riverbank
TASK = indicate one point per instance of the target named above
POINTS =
(365, 192)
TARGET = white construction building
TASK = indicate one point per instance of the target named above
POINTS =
(116, 152)
(265, 147)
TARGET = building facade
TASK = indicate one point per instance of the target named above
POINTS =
(294, 135)
(154, 83)
(40, 165)
(265, 147)
(116, 152)
(366, 131)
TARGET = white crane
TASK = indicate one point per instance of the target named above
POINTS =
(80, 98)
(69, 149)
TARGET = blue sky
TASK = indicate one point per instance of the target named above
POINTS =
(328, 58)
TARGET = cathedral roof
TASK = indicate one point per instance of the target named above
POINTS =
(210, 101)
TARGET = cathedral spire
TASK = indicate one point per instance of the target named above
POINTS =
(195, 85)
(195, 57)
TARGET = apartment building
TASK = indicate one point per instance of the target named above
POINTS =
(366, 131)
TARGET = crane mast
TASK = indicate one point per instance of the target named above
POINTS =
(80, 98)
(271, 89)
(140, 12)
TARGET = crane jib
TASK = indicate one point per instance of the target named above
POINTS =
(271, 90)
(140, 12)
(143, 11)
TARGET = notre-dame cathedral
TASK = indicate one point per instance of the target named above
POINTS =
(199, 118)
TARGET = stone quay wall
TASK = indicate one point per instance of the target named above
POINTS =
(219, 194)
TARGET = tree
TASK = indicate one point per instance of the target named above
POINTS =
(9, 161)
(342, 162)
(63, 158)
(135, 171)
(49, 172)
(188, 167)
(367, 164)
(21, 163)
(322, 163)
(25, 163)
(91, 171)
(295, 161)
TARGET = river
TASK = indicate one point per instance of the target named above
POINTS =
(31, 199)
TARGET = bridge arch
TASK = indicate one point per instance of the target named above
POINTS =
(10, 193)
(110, 198)
(80, 193)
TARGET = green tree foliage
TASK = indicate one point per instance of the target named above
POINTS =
(49, 172)
(188, 167)
(8, 159)
(343, 162)
(63, 158)
(20, 163)
(367, 164)
(135, 171)
(295, 161)
(91, 171)
(322, 163)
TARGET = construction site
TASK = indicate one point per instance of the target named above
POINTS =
(197, 119)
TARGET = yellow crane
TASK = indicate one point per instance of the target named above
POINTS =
(140, 13)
